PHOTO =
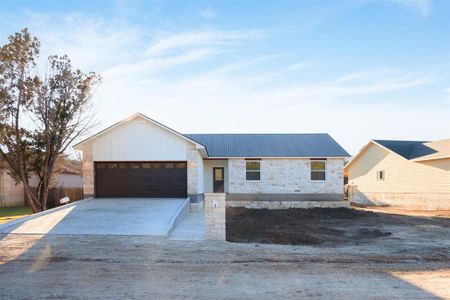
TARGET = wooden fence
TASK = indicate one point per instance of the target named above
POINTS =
(55, 194)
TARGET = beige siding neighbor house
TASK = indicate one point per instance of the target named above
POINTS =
(11, 194)
(404, 174)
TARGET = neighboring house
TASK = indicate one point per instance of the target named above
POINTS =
(11, 194)
(139, 157)
(68, 175)
(406, 174)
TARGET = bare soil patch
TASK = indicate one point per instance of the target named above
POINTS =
(317, 226)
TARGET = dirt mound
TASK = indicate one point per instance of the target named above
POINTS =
(301, 226)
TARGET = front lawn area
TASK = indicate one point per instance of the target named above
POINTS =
(11, 213)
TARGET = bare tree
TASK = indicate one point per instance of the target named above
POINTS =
(39, 117)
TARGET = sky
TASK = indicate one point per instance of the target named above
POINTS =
(357, 69)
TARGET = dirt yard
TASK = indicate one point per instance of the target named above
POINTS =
(322, 226)
(412, 262)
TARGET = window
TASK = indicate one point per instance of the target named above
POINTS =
(218, 174)
(380, 175)
(318, 170)
(253, 170)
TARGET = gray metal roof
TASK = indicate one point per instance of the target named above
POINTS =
(407, 149)
(269, 145)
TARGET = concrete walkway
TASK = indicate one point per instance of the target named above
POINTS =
(154, 217)
(192, 228)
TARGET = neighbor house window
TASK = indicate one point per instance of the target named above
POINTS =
(253, 170)
(318, 170)
(380, 175)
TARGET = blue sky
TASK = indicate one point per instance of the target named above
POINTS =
(355, 69)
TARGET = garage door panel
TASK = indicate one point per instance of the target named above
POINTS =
(141, 179)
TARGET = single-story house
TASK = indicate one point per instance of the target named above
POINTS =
(404, 174)
(67, 175)
(139, 157)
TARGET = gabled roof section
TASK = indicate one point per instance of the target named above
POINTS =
(269, 145)
(437, 150)
(406, 149)
(144, 117)
(418, 150)
(411, 150)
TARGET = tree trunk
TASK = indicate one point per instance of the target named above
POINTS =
(32, 201)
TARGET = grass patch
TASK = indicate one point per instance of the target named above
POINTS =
(8, 214)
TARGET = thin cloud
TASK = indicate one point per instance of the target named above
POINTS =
(208, 13)
(423, 7)
(90, 42)
(152, 66)
(180, 41)
(364, 75)
(241, 65)
(326, 91)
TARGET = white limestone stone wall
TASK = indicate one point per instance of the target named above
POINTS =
(215, 217)
(406, 201)
(88, 171)
(280, 176)
(288, 204)
(195, 172)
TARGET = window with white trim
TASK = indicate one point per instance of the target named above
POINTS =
(380, 175)
(252, 170)
(318, 170)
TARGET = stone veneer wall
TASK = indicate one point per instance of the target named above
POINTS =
(215, 217)
(287, 204)
(195, 176)
(280, 176)
(88, 171)
(407, 201)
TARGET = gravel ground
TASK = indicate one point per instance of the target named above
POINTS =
(412, 262)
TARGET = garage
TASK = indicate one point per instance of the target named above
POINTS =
(149, 179)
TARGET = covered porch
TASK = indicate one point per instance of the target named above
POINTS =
(215, 175)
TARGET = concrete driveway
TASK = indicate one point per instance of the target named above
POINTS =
(125, 216)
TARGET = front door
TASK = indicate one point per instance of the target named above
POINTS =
(218, 180)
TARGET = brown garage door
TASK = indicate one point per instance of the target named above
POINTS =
(141, 179)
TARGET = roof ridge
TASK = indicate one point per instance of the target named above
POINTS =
(321, 133)
(406, 141)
